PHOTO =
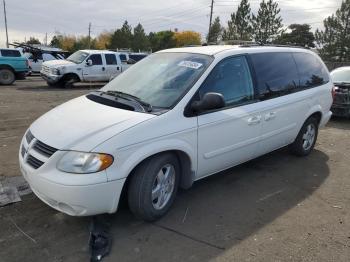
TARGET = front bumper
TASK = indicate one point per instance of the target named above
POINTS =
(326, 117)
(76, 195)
(53, 79)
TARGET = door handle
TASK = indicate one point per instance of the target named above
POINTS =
(254, 120)
(103, 68)
(270, 116)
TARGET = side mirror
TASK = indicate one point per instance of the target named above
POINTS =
(210, 101)
(89, 62)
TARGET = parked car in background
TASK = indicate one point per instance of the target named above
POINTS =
(37, 59)
(137, 56)
(172, 119)
(13, 65)
(83, 66)
(341, 80)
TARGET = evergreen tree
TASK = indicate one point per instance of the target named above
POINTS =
(239, 26)
(300, 35)
(140, 41)
(215, 31)
(122, 38)
(267, 25)
(334, 41)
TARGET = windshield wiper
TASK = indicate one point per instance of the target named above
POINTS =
(145, 105)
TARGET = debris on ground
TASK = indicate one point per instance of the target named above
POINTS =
(100, 240)
(12, 188)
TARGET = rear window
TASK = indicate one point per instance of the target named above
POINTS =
(111, 59)
(276, 74)
(311, 71)
(10, 53)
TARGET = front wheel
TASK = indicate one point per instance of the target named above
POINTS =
(153, 186)
(306, 139)
(7, 77)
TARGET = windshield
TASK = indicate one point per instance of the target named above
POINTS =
(341, 75)
(77, 57)
(161, 79)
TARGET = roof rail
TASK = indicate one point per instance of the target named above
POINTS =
(272, 45)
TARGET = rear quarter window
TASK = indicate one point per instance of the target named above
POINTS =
(312, 72)
(10, 53)
(276, 74)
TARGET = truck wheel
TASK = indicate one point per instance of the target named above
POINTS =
(70, 80)
(7, 77)
(306, 139)
(153, 186)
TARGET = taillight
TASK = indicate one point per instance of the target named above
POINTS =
(333, 92)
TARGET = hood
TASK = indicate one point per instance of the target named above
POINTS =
(59, 62)
(82, 124)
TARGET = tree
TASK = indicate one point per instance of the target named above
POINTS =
(140, 41)
(122, 38)
(334, 41)
(239, 26)
(103, 40)
(267, 25)
(33, 41)
(215, 31)
(162, 40)
(186, 38)
(300, 35)
(56, 41)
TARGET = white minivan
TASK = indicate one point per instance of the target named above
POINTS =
(175, 117)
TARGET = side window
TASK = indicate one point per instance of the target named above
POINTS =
(311, 71)
(231, 78)
(122, 58)
(276, 74)
(96, 59)
(110, 59)
(10, 53)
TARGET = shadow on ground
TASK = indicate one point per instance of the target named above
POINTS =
(213, 216)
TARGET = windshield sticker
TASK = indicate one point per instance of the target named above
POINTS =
(190, 64)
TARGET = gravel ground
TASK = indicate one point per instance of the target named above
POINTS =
(275, 208)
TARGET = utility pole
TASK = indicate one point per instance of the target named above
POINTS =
(7, 36)
(211, 17)
(46, 39)
(89, 39)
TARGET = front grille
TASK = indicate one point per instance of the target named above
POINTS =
(44, 149)
(23, 151)
(29, 137)
(45, 69)
(34, 162)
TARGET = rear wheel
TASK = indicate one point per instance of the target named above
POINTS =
(306, 139)
(7, 77)
(153, 186)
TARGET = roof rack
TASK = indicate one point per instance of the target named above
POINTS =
(271, 45)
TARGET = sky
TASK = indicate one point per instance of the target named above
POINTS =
(38, 17)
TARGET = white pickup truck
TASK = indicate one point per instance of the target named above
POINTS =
(84, 66)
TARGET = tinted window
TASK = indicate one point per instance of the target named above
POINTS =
(311, 71)
(232, 79)
(111, 59)
(10, 53)
(96, 59)
(123, 58)
(137, 57)
(276, 74)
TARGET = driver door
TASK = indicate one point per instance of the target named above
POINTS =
(230, 135)
(95, 72)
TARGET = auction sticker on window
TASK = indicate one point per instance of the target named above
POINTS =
(190, 64)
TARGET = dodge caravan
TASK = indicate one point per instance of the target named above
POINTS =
(175, 117)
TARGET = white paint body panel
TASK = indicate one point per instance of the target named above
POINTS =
(213, 142)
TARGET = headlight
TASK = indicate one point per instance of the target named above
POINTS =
(84, 163)
(55, 71)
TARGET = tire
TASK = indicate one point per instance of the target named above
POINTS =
(306, 139)
(150, 196)
(7, 76)
(69, 81)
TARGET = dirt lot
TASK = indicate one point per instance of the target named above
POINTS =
(275, 208)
